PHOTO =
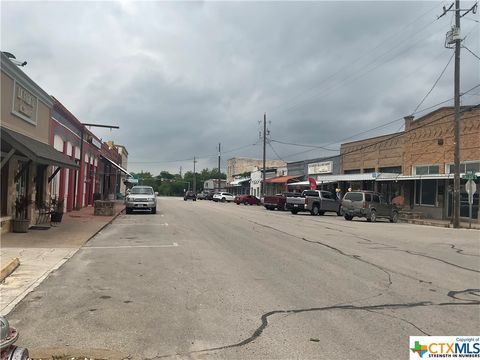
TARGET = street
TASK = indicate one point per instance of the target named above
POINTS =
(209, 280)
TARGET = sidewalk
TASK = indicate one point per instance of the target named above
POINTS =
(442, 223)
(43, 251)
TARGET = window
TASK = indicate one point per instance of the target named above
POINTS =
(464, 167)
(327, 195)
(355, 171)
(425, 169)
(426, 192)
(376, 199)
(369, 170)
(354, 196)
(368, 197)
(310, 193)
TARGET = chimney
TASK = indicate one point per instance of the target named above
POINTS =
(408, 122)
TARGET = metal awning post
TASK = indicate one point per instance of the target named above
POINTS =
(54, 173)
(8, 157)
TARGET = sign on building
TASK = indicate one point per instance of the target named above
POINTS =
(24, 104)
(324, 167)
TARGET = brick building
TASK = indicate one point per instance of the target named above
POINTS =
(422, 158)
(238, 166)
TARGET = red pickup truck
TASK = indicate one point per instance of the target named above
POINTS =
(278, 201)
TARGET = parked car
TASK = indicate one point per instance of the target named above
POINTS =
(278, 201)
(190, 195)
(141, 198)
(209, 195)
(317, 202)
(246, 200)
(223, 196)
(201, 196)
(368, 204)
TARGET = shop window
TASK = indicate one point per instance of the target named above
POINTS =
(370, 170)
(425, 169)
(464, 167)
(426, 192)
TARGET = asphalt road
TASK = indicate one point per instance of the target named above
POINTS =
(206, 280)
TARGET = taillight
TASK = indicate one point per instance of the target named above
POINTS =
(365, 205)
(306, 201)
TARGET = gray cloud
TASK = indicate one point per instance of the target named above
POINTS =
(179, 77)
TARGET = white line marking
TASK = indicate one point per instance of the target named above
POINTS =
(131, 246)
(143, 224)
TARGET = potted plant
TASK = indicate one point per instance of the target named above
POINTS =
(20, 221)
(57, 210)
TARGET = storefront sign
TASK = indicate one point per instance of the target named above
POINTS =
(25, 104)
(96, 143)
(320, 167)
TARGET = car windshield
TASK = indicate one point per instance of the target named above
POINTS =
(142, 191)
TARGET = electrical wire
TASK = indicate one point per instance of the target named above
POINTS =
(275, 152)
(435, 83)
(471, 52)
(303, 145)
(369, 52)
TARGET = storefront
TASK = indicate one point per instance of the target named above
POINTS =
(27, 157)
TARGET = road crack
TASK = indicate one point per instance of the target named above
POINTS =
(349, 307)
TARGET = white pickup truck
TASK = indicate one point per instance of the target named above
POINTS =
(316, 202)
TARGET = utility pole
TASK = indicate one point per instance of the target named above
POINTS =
(454, 37)
(219, 175)
(262, 188)
(456, 177)
(180, 171)
(194, 176)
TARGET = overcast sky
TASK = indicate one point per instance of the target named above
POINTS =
(180, 77)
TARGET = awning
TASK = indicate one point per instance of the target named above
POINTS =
(35, 150)
(328, 179)
(280, 179)
(117, 166)
(237, 182)
(424, 177)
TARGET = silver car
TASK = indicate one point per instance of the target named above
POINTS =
(141, 198)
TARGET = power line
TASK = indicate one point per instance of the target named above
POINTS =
(274, 151)
(393, 136)
(324, 147)
(369, 52)
(471, 52)
(303, 145)
(435, 84)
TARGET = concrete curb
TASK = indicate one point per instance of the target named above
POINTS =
(104, 226)
(9, 268)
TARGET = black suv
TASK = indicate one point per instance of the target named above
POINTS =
(367, 204)
(190, 195)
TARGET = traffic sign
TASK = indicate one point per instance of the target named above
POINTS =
(470, 188)
(469, 175)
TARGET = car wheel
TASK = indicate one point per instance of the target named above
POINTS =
(315, 210)
(394, 217)
(154, 210)
(373, 216)
(294, 212)
(321, 213)
(348, 217)
(128, 210)
(223, 199)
